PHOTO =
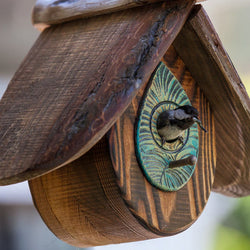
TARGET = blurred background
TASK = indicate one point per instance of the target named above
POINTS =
(225, 222)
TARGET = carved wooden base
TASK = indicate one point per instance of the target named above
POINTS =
(82, 204)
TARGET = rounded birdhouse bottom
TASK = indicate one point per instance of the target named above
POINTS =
(82, 204)
(105, 197)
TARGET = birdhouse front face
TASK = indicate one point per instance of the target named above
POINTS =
(123, 118)
(187, 192)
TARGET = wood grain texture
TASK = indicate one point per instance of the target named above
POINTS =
(82, 205)
(165, 213)
(50, 12)
(200, 47)
(78, 78)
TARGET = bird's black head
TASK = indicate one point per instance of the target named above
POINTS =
(184, 116)
(189, 110)
(171, 123)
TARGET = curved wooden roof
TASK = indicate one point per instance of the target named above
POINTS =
(199, 46)
(76, 81)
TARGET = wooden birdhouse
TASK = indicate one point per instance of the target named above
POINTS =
(82, 119)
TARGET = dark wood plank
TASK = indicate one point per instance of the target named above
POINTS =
(78, 78)
(165, 213)
(46, 13)
(200, 47)
(82, 205)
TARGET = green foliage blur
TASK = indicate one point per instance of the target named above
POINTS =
(234, 232)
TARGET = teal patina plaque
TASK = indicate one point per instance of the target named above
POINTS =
(164, 93)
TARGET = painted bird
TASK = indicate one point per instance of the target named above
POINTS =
(171, 123)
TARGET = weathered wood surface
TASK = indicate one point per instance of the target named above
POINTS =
(82, 205)
(165, 212)
(50, 12)
(78, 78)
(200, 47)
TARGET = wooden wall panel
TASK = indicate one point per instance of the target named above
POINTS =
(165, 212)
(199, 46)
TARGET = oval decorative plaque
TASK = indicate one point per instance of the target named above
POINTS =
(164, 93)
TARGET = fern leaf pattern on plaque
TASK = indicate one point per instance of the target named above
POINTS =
(164, 93)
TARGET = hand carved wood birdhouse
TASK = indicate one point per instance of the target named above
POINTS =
(123, 117)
